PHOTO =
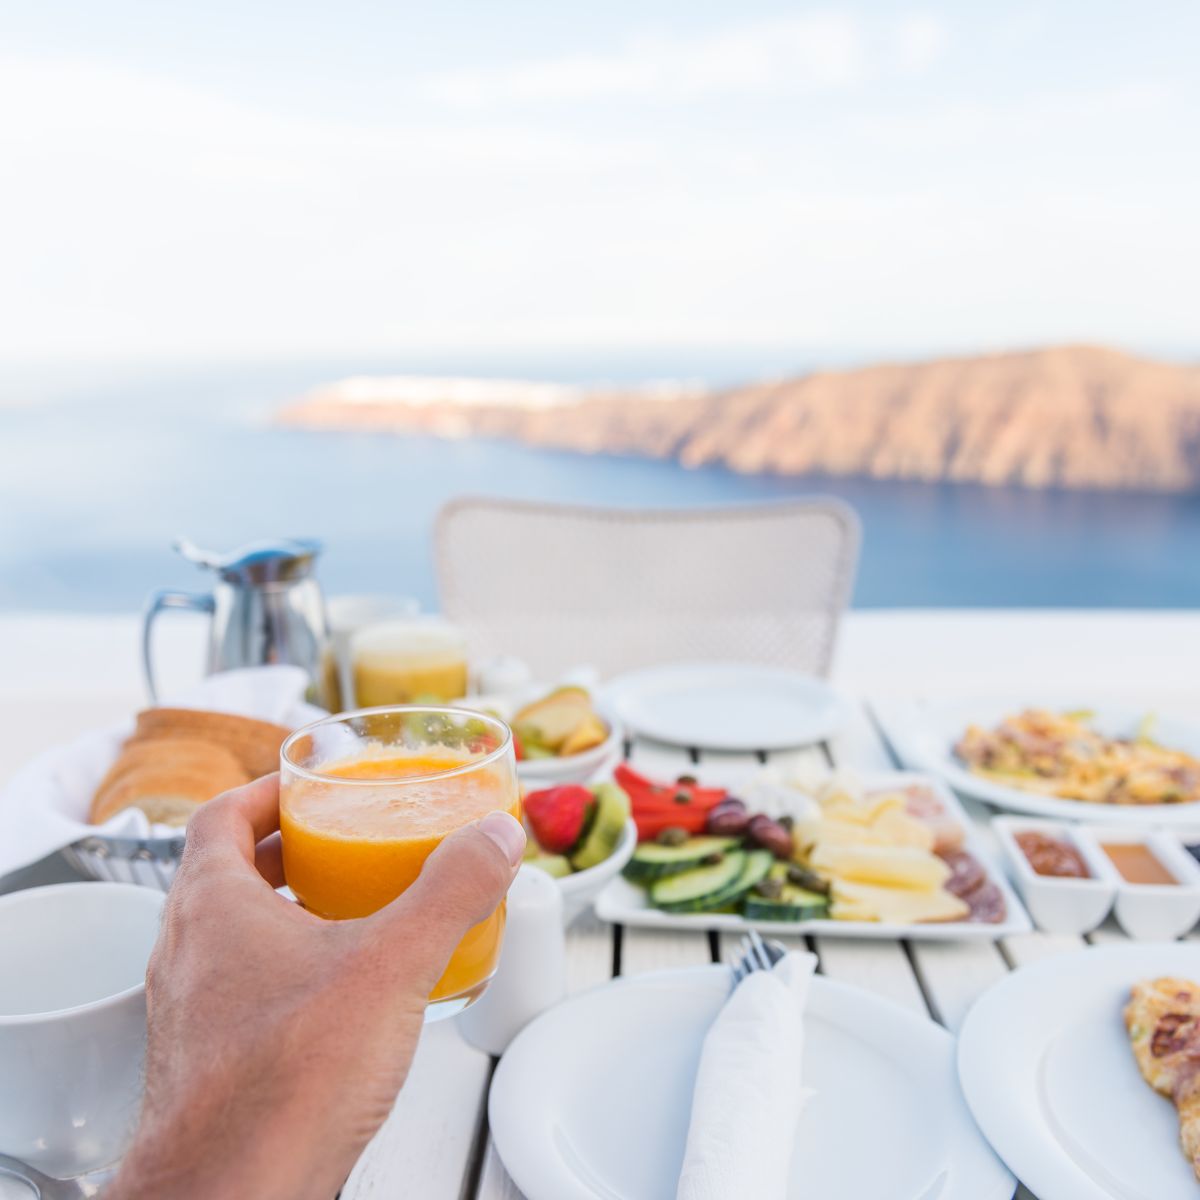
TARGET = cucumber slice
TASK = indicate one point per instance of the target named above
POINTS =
(651, 860)
(717, 890)
(688, 890)
(794, 904)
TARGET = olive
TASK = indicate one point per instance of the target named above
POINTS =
(770, 835)
(726, 821)
(803, 877)
(672, 836)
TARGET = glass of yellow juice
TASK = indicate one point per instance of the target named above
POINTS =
(418, 661)
(366, 797)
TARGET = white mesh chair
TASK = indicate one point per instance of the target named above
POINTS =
(618, 589)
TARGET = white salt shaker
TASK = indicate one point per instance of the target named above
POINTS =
(532, 972)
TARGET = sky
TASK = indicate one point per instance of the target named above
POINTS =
(275, 180)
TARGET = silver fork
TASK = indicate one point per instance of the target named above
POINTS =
(757, 955)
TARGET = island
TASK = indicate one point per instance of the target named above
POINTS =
(1069, 416)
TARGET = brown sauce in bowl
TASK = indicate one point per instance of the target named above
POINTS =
(1137, 863)
(1052, 856)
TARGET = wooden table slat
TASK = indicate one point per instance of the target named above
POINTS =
(953, 975)
(660, 949)
(1024, 948)
(495, 1183)
(879, 967)
(589, 947)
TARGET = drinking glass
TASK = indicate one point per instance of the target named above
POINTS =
(365, 798)
(418, 661)
(347, 615)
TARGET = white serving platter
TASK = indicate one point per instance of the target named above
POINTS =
(1047, 1069)
(625, 903)
(592, 1100)
(727, 706)
(924, 732)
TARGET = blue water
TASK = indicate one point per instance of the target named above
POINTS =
(97, 477)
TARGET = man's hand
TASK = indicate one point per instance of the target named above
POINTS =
(278, 1040)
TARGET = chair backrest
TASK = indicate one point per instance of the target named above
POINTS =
(561, 586)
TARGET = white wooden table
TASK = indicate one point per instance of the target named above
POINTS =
(436, 1143)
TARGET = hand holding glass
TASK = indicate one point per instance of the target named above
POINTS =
(366, 797)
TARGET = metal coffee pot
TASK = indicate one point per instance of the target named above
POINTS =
(266, 607)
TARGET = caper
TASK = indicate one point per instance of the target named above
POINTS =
(687, 780)
(772, 889)
(711, 860)
(788, 822)
(682, 797)
(672, 836)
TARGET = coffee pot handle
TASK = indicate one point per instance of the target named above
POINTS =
(45, 1187)
(166, 598)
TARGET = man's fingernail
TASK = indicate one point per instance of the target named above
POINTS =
(505, 830)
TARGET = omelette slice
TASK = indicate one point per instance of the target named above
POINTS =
(1163, 1021)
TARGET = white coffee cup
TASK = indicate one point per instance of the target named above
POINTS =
(73, 1021)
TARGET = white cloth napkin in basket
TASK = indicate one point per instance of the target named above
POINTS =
(45, 805)
(748, 1095)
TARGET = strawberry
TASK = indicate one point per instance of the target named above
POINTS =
(556, 815)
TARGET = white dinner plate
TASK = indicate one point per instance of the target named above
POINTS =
(727, 706)
(626, 903)
(592, 1101)
(1046, 1067)
(923, 733)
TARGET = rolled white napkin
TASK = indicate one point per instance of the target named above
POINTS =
(749, 1095)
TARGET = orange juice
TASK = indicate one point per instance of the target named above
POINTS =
(350, 850)
(408, 662)
(388, 681)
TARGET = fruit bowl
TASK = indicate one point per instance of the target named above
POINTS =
(582, 887)
(575, 768)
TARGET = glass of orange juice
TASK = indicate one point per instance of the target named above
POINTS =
(422, 660)
(365, 797)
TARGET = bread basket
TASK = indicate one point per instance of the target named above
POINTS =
(149, 862)
(44, 808)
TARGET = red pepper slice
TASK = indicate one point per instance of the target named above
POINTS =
(650, 825)
(633, 782)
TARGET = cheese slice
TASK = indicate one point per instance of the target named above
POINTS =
(841, 806)
(892, 829)
(888, 866)
(899, 906)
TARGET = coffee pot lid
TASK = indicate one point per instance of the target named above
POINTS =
(257, 563)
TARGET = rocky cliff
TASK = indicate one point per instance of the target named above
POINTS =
(1075, 416)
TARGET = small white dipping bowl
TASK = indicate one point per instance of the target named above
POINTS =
(1156, 912)
(1057, 904)
(581, 889)
(73, 1021)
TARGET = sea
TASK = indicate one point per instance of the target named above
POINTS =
(100, 468)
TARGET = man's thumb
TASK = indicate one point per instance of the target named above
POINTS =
(461, 884)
